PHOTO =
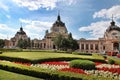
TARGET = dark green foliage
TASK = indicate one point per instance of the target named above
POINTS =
(58, 41)
(45, 73)
(10, 50)
(2, 43)
(63, 43)
(0, 52)
(24, 43)
(14, 59)
(82, 64)
(81, 53)
(73, 45)
(110, 61)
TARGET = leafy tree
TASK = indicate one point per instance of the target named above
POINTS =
(63, 43)
(22, 43)
(29, 43)
(2, 43)
(58, 41)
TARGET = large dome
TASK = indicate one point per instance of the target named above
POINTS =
(113, 27)
(21, 32)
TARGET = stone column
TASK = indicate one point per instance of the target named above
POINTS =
(119, 46)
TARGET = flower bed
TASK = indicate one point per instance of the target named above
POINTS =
(75, 70)
(111, 68)
(102, 70)
(52, 65)
(27, 64)
(101, 73)
(56, 63)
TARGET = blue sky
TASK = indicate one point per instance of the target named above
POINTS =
(83, 18)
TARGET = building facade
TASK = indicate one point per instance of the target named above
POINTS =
(109, 42)
(21, 34)
(57, 28)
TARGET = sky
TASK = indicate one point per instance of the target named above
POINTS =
(83, 18)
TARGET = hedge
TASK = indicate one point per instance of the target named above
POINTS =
(10, 50)
(15, 59)
(46, 74)
(1, 52)
(110, 61)
(82, 64)
(81, 53)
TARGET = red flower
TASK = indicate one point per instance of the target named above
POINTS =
(56, 63)
(73, 70)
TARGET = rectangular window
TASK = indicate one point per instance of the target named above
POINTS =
(86, 46)
(82, 46)
(96, 46)
(91, 46)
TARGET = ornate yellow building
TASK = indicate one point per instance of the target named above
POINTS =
(57, 28)
(110, 41)
(19, 35)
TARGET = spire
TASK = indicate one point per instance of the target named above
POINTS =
(58, 18)
(21, 29)
(112, 23)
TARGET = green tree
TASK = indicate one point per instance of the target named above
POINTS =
(22, 43)
(58, 41)
(2, 43)
(63, 43)
(73, 45)
(29, 43)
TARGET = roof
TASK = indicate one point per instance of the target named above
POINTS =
(21, 32)
(113, 27)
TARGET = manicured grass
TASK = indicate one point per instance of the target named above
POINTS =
(42, 55)
(5, 75)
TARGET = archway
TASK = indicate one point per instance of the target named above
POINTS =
(116, 46)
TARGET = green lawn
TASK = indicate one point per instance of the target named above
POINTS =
(42, 55)
(5, 75)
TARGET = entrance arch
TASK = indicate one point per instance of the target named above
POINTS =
(116, 46)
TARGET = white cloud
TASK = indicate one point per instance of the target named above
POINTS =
(37, 4)
(6, 31)
(34, 28)
(8, 16)
(39, 26)
(107, 13)
(4, 27)
(3, 36)
(96, 29)
(4, 7)
(25, 21)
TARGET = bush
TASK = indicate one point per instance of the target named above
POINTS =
(10, 50)
(110, 61)
(81, 53)
(82, 64)
(0, 52)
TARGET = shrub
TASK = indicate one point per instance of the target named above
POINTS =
(10, 50)
(82, 64)
(0, 52)
(81, 53)
(110, 61)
